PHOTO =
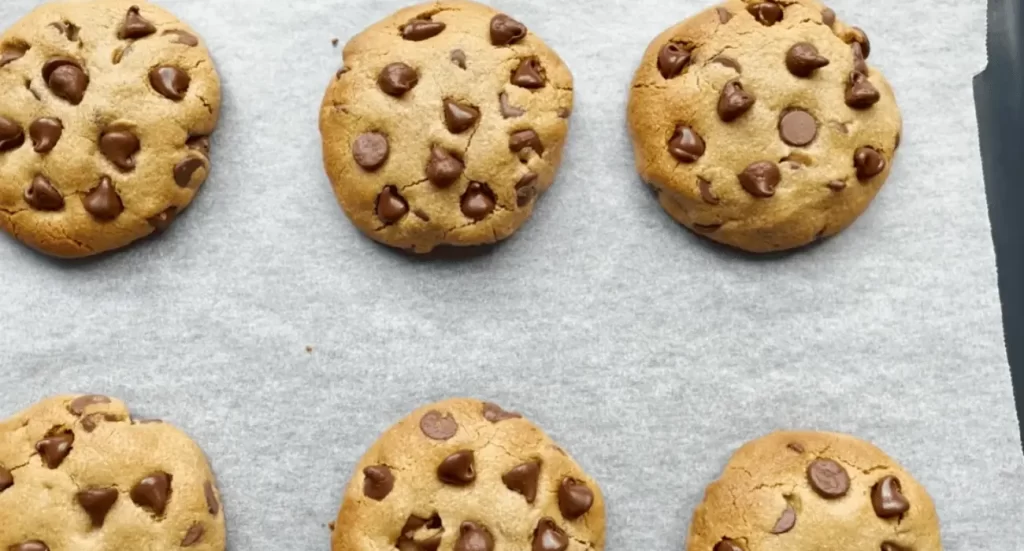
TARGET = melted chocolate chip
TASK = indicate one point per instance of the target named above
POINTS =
(200, 144)
(443, 168)
(134, 25)
(93, 420)
(194, 534)
(803, 59)
(458, 57)
(786, 522)
(549, 537)
(378, 482)
(523, 479)
(103, 202)
(728, 545)
(212, 505)
(119, 147)
(153, 492)
(45, 134)
(766, 13)
(506, 31)
(397, 78)
(868, 162)
(33, 545)
(438, 426)
(54, 449)
(797, 127)
(474, 537)
(11, 135)
(182, 37)
(574, 498)
(828, 478)
(6, 479)
(529, 74)
(860, 93)
(391, 206)
(858, 36)
(185, 169)
(734, 101)
(887, 498)
(526, 189)
(509, 111)
(495, 414)
(12, 52)
(171, 82)
(41, 195)
(890, 546)
(78, 405)
(836, 185)
(459, 117)
(457, 469)
(66, 79)
(478, 202)
(97, 503)
(760, 179)
(524, 139)
(706, 193)
(828, 17)
(859, 64)
(724, 16)
(686, 145)
(421, 29)
(162, 221)
(672, 59)
(66, 28)
(370, 150)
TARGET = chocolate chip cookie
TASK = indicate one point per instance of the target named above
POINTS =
(76, 472)
(106, 108)
(444, 126)
(469, 476)
(804, 491)
(761, 125)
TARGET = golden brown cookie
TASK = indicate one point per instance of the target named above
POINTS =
(807, 491)
(445, 124)
(761, 125)
(106, 107)
(469, 476)
(76, 472)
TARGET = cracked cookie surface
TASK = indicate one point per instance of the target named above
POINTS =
(805, 491)
(444, 126)
(76, 472)
(761, 125)
(467, 475)
(106, 107)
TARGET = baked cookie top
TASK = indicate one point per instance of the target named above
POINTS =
(806, 491)
(445, 124)
(469, 476)
(76, 472)
(761, 124)
(106, 107)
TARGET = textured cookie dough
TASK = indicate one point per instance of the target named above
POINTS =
(77, 473)
(469, 476)
(808, 491)
(445, 124)
(760, 124)
(106, 107)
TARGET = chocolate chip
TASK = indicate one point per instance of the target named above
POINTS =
(828, 478)
(135, 26)
(391, 206)
(397, 78)
(54, 449)
(495, 414)
(508, 110)
(529, 74)
(457, 469)
(728, 545)
(6, 478)
(760, 179)
(836, 185)
(421, 29)
(706, 194)
(828, 17)
(97, 503)
(797, 127)
(574, 498)
(549, 537)
(796, 446)
(786, 522)
(458, 57)
(212, 505)
(41, 195)
(887, 498)
(78, 405)
(889, 546)
(171, 82)
(860, 93)
(66, 79)
(45, 134)
(34, 545)
(378, 482)
(443, 168)
(734, 101)
(506, 31)
(11, 135)
(869, 163)
(119, 146)
(478, 202)
(686, 145)
(724, 15)
(194, 534)
(859, 64)
(370, 150)
(803, 59)
(12, 52)
(185, 169)
(459, 117)
(858, 36)
(526, 189)
(766, 13)
(66, 28)
(182, 37)
(428, 540)
(200, 144)
(727, 61)
(93, 420)
(474, 537)
(525, 139)
(103, 202)
(153, 492)
(438, 426)
(523, 479)
(672, 59)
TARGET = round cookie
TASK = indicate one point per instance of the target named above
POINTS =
(805, 491)
(76, 472)
(444, 126)
(469, 476)
(106, 107)
(761, 125)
